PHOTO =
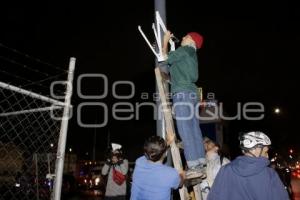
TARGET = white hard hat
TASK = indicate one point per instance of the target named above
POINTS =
(253, 139)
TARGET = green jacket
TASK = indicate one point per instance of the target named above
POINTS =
(183, 69)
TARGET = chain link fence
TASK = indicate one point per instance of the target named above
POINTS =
(28, 141)
(30, 126)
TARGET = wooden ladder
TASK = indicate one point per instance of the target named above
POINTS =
(167, 115)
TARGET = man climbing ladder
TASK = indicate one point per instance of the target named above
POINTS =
(184, 73)
(167, 113)
(183, 65)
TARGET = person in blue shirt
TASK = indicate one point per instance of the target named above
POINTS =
(152, 180)
(249, 177)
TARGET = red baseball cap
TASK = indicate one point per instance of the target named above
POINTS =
(198, 39)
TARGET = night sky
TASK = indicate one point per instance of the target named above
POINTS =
(250, 53)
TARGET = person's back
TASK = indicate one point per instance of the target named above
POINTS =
(184, 70)
(153, 180)
(247, 178)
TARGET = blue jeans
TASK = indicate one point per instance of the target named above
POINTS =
(188, 126)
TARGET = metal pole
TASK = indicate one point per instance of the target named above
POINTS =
(30, 111)
(49, 172)
(36, 176)
(108, 140)
(63, 134)
(160, 6)
(94, 145)
(31, 94)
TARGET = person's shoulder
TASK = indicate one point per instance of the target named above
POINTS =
(168, 173)
(168, 169)
(141, 163)
(188, 52)
(125, 161)
(272, 172)
(140, 160)
(188, 49)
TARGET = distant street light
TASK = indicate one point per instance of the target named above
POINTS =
(70, 149)
(276, 110)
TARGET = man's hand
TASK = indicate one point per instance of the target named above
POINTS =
(170, 138)
(167, 37)
(182, 177)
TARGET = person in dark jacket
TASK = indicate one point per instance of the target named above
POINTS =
(249, 177)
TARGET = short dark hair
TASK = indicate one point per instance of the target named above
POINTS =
(154, 148)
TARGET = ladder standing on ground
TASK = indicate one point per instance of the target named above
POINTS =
(166, 107)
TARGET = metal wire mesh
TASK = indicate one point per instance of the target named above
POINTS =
(29, 132)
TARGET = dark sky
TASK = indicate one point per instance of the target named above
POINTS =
(250, 53)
